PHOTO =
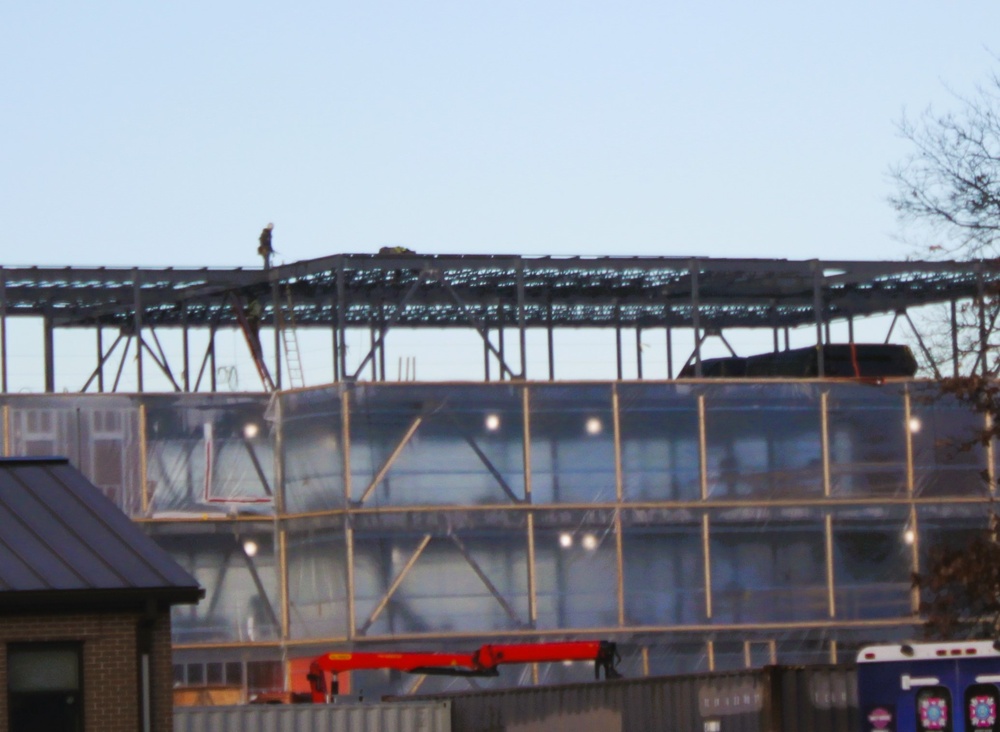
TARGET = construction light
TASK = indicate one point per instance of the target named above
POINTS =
(593, 426)
(914, 425)
(492, 422)
(250, 547)
(909, 536)
(565, 540)
(251, 430)
(589, 542)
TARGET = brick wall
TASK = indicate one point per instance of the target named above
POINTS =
(110, 666)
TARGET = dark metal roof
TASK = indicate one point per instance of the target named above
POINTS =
(413, 290)
(60, 538)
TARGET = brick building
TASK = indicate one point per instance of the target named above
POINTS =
(85, 602)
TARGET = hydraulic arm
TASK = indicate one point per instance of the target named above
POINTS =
(481, 662)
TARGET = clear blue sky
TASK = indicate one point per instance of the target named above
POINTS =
(169, 133)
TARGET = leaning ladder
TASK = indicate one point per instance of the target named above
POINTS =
(290, 341)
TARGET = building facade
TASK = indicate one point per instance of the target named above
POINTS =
(701, 524)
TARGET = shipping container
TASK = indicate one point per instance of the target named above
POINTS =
(419, 716)
(772, 699)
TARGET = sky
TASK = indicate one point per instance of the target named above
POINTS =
(168, 134)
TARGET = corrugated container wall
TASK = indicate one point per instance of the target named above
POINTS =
(772, 699)
(427, 716)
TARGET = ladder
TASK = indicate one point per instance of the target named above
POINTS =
(290, 341)
(252, 334)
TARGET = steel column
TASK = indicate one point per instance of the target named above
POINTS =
(705, 543)
(213, 376)
(143, 459)
(279, 325)
(831, 598)
(382, 335)
(818, 313)
(345, 446)
(335, 338)
(137, 325)
(619, 498)
(342, 315)
(486, 352)
(638, 351)
(550, 336)
(670, 353)
(505, 372)
(279, 511)
(186, 347)
(526, 447)
(49, 349)
(696, 316)
(100, 359)
(522, 335)
(618, 340)
(910, 490)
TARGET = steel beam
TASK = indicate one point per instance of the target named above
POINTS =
(395, 585)
(380, 475)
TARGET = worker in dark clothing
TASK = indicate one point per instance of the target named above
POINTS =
(265, 249)
(254, 315)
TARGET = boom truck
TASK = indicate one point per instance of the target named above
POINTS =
(484, 661)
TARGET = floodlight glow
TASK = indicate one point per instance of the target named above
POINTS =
(589, 542)
(914, 424)
(565, 540)
(250, 547)
(593, 426)
(492, 422)
(251, 430)
(909, 536)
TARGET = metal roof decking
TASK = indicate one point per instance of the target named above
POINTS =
(414, 290)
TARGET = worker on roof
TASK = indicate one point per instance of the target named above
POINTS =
(265, 249)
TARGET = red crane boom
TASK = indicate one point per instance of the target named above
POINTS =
(481, 662)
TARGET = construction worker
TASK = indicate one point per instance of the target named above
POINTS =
(254, 315)
(265, 249)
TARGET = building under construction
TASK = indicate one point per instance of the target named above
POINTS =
(701, 522)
